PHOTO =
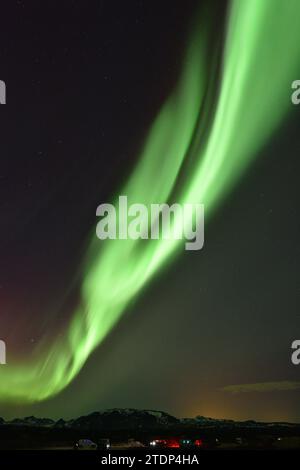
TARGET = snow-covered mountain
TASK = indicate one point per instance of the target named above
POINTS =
(133, 419)
(128, 418)
(30, 421)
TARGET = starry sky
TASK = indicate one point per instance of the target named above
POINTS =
(84, 82)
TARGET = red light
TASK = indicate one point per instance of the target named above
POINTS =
(173, 444)
(198, 442)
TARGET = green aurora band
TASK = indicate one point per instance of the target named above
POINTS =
(260, 59)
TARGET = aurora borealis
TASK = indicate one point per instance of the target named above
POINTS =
(230, 98)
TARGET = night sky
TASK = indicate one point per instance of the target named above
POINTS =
(85, 81)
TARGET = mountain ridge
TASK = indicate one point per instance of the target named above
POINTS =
(132, 418)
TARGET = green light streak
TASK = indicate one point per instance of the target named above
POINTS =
(261, 59)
